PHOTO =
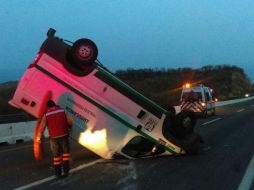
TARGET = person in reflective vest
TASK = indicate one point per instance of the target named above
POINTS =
(58, 124)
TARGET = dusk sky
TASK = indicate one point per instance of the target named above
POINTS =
(132, 34)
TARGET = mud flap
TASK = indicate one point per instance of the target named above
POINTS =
(38, 145)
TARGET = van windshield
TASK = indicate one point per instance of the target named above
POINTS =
(191, 96)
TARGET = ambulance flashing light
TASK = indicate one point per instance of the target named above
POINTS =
(187, 85)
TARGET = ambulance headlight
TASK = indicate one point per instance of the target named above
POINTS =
(203, 104)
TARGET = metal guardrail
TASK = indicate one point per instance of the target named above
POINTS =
(13, 133)
(228, 102)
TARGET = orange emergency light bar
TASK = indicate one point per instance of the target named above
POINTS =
(187, 85)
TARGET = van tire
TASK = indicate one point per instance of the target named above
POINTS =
(184, 123)
(84, 52)
(75, 69)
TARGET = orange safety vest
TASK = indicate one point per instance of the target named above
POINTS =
(56, 122)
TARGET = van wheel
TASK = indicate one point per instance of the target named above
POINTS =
(84, 52)
(71, 66)
(184, 123)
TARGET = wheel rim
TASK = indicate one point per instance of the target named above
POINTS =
(84, 52)
(187, 122)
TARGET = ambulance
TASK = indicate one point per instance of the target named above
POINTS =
(198, 99)
(109, 117)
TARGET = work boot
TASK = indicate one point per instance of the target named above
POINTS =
(66, 168)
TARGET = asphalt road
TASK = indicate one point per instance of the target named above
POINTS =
(223, 162)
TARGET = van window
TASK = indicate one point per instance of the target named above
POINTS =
(192, 96)
(207, 96)
(138, 147)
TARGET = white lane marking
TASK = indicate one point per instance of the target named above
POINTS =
(248, 177)
(85, 165)
(36, 183)
(240, 110)
(206, 123)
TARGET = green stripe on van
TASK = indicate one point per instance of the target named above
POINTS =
(102, 108)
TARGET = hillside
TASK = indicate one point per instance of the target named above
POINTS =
(164, 85)
(7, 90)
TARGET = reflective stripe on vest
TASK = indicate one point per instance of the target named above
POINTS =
(54, 112)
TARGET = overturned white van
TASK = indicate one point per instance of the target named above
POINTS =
(109, 117)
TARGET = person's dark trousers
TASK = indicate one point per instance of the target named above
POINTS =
(66, 164)
(61, 150)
